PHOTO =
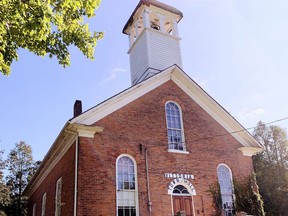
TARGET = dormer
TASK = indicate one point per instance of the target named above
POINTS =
(154, 43)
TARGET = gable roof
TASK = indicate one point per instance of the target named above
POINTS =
(191, 88)
(83, 125)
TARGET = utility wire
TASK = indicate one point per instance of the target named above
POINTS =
(244, 129)
(225, 134)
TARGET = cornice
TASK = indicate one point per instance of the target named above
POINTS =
(190, 87)
(84, 130)
(214, 109)
(118, 101)
(250, 151)
(64, 141)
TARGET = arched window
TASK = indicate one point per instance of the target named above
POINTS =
(127, 196)
(174, 127)
(180, 189)
(226, 189)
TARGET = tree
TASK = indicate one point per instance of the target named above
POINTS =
(4, 190)
(246, 193)
(46, 27)
(19, 165)
(271, 172)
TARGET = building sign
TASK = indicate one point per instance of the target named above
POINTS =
(177, 175)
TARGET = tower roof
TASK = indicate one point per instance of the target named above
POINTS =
(156, 4)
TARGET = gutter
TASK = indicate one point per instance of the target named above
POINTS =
(148, 184)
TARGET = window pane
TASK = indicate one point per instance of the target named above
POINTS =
(120, 167)
(126, 211)
(125, 168)
(226, 189)
(132, 186)
(125, 175)
(130, 162)
(126, 185)
(180, 189)
(126, 194)
(131, 178)
(174, 127)
(120, 176)
(131, 169)
(120, 211)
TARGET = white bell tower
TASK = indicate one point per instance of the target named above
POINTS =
(154, 43)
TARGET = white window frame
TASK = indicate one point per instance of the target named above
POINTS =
(230, 185)
(58, 197)
(34, 210)
(182, 129)
(43, 209)
(136, 184)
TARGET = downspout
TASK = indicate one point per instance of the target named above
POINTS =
(76, 170)
(148, 185)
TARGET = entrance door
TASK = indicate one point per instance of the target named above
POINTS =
(182, 203)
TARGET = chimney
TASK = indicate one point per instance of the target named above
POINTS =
(77, 108)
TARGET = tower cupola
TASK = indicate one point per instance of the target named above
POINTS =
(154, 43)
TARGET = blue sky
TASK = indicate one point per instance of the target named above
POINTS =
(237, 50)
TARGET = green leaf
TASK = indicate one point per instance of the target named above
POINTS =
(29, 24)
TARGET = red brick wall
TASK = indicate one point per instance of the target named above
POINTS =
(65, 169)
(143, 122)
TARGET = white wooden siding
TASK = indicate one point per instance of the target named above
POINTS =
(153, 49)
(139, 57)
(164, 50)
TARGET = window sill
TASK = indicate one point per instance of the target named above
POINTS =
(178, 151)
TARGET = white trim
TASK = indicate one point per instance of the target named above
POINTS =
(189, 187)
(184, 182)
(34, 210)
(52, 161)
(249, 151)
(182, 129)
(86, 130)
(231, 181)
(178, 151)
(95, 114)
(61, 145)
(174, 73)
(193, 205)
(136, 183)
(223, 164)
(58, 198)
(43, 206)
(213, 108)
(190, 87)
(172, 204)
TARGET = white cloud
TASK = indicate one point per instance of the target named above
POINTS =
(113, 75)
(252, 114)
(204, 82)
(117, 70)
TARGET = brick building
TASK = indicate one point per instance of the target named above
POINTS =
(153, 149)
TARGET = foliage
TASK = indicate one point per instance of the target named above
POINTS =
(214, 189)
(19, 163)
(246, 198)
(46, 27)
(33, 169)
(271, 168)
(4, 190)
